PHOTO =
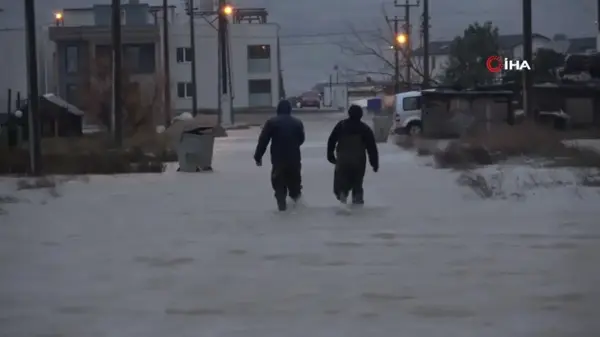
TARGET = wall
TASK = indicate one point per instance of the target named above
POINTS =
(78, 17)
(101, 15)
(207, 62)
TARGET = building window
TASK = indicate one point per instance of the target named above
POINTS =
(259, 52)
(260, 93)
(72, 59)
(184, 55)
(123, 17)
(185, 90)
(140, 58)
(411, 103)
(259, 59)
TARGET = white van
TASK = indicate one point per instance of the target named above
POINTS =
(408, 113)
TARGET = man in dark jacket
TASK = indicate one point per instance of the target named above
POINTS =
(346, 148)
(286, 135)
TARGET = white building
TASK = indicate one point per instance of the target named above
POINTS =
(254, 64)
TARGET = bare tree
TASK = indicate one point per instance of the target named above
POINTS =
(377, 48)
(138, 111)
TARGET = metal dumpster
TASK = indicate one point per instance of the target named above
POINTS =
(195, 150)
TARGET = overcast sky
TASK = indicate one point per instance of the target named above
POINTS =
(309, 60)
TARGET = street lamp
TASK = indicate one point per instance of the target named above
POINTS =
(58, 18)
(227, 10)
(401, 39)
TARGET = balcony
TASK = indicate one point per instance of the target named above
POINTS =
(102, 34)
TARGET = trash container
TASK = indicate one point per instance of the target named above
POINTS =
(195, 150)
(382, 124)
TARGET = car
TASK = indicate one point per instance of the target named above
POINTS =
(408, 113)
(309, 99)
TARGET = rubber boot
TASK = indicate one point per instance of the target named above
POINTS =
(358, 199)
(281, 204)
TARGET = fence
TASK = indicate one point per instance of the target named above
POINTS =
(11, 102)
(450, 113)
(580, 101)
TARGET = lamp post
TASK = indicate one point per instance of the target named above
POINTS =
(58, 19)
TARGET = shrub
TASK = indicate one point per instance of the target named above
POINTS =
(524, 140)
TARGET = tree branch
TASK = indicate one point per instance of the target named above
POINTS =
(373, 47)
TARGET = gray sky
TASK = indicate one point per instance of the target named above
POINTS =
(309, 60)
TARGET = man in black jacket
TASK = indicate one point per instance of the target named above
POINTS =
(346, 148)
(286, 135)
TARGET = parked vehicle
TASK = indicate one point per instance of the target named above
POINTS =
(408, 113)
(309, 99)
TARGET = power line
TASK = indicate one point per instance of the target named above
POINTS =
(296, 36)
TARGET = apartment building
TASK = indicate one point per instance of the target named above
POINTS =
(254, 62)
(82, 60)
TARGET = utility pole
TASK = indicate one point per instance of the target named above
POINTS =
(407, 51)
(35, 153)
(527, 56)
(167, 64)
(226, 113)
(117, 79)
(407, 30)
(193, 63)
(396, 46)
(598, 24)
(426, 70)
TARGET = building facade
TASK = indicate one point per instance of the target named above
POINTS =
(254, 64)
(82, 61)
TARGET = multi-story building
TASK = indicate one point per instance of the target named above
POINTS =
(83, 56)
(254, 62)
(76, 59)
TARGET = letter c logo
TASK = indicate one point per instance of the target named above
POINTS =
(494, 64)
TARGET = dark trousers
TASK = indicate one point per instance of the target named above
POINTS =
(286, 180)
(349, 178)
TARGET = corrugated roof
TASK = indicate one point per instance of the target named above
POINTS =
(506, 42)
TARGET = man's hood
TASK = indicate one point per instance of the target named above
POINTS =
(355, 112)
(284, 107)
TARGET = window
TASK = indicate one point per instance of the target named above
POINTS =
(185, 90)
(259, 52)
(72, 59)
(411, 103)
(259, 59)
(123, 17)
(140, 58)
(259, 93)
(184, 55)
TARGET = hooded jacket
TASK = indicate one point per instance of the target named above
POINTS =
(286, 135)
(350, 139)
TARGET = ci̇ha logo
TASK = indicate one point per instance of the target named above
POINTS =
(496, 64)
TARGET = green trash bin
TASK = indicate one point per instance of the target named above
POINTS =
(195, 150)
(382, 124)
